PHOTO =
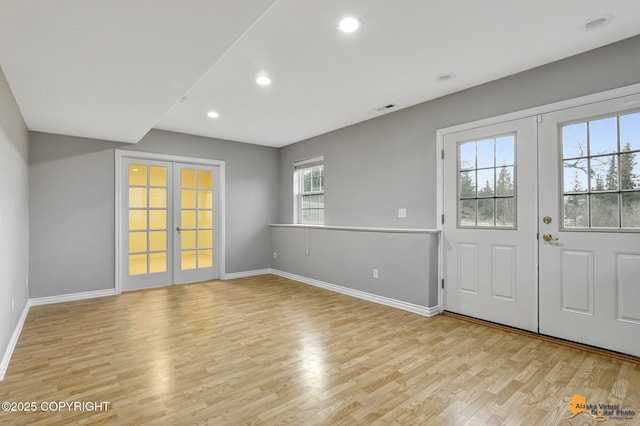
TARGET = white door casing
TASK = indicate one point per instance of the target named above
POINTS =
(490, 271)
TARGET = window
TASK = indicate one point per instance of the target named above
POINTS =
(486, 182)
(600, 173)
(308, 184)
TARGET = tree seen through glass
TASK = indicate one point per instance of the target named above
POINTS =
(601, 173)
(486, 188)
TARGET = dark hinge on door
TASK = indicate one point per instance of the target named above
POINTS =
(442, 154)
(443, 219)
(443, 283)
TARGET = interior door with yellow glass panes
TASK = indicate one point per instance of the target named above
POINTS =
(195, 223)
(147, 253)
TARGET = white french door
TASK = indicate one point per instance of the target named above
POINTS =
(568, 265)
(490, 223)
(195, 218)
(169, 227)
(590, 241)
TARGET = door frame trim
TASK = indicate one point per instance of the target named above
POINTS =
(516, 115)
(120, 155)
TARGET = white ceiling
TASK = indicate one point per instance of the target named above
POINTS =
(114, 69)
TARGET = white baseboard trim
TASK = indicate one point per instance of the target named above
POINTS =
(244, 274)
(44, 301)
(14, 340)
(72, 297)
(405, 306)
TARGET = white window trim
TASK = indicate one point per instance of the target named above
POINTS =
(298, 166)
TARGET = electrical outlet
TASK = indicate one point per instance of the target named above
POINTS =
(402, 213)
(375, 273)
(275, 255)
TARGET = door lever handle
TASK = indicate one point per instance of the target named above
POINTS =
(548, 237)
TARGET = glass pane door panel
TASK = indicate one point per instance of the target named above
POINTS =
(205, 258)
(205, 179)
(158, 198)
(196, 214)
(137, 264)
(486, 182)
(158, 219)
(188, 178)
(603, 136)
(188, 240)
(137, 175)
(158, 176)
(205, 199)
(188, 199)
(158, 241)
(158, 262)
(138, 197)
(147, 210)
(188, 259)
(188, 219)
(601, 173)
(205, 219)
(137, 220)
(205, 239)
(137, 242)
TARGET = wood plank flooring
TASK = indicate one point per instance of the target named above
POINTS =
(267, 350)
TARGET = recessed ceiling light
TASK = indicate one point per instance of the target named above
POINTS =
(213, 114)
(598, 22)
(349, 25)
(446, 77)
(263, 80)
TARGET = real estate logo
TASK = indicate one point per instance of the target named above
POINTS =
(598, 412)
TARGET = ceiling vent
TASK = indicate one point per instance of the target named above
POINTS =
(386, 107)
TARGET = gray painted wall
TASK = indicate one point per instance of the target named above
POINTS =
(14, 214)
(407, 263)
(372, 169)
(375, 167)
(72, 205)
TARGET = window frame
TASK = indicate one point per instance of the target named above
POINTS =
(495, 167)
(588, 192)
(298, 188)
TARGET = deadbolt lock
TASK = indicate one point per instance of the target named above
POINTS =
(547, 219)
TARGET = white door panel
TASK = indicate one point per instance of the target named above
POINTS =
(490, 226)
(146, 224)
(590, 268)
(196, 223)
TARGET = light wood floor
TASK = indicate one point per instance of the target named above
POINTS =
(267, 350)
